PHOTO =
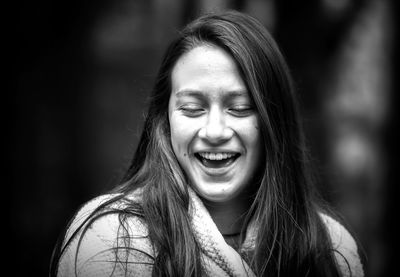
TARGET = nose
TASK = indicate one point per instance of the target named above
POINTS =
(216, 131)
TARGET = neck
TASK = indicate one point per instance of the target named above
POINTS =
(229, 216)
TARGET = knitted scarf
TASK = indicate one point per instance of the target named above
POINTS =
(219, 258)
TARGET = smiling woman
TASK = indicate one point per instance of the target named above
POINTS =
(219, 184)
(214, 129)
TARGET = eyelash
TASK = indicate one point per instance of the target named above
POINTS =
(241, 110)
(192, 110)
(195, 111)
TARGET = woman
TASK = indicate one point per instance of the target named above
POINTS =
(219, 184)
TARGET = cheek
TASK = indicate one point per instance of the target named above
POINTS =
(176, 137)
(182, 133)
(254, 146)
(249, 132)
(256, 136)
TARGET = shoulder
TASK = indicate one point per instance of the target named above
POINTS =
(85, 212)
(344, 246)
(99, 238)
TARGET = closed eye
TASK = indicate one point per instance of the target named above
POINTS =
(192, 110)
(241, 110)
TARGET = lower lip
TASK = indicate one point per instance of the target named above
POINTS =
(217, 171)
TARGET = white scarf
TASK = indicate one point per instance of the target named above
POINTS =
(219, 259)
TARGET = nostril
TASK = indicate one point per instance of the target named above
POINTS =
(215, 134)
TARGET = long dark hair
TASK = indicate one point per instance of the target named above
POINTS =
(291, 239)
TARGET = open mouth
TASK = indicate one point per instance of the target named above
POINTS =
(216, 160)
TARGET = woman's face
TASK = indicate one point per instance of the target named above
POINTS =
(214, 126)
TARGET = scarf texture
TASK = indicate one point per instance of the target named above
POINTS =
(219, 258)
(93, 253)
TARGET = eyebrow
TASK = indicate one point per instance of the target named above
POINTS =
(200, 93)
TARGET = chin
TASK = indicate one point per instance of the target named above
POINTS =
(217, 194)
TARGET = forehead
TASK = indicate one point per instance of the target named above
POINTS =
(206, 56)
(207, 69)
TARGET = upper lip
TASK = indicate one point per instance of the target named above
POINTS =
(217, 150)
(216, 154)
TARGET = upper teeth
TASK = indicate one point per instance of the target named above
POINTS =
(216, 156)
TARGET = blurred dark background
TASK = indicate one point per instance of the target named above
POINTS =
(81, 72)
